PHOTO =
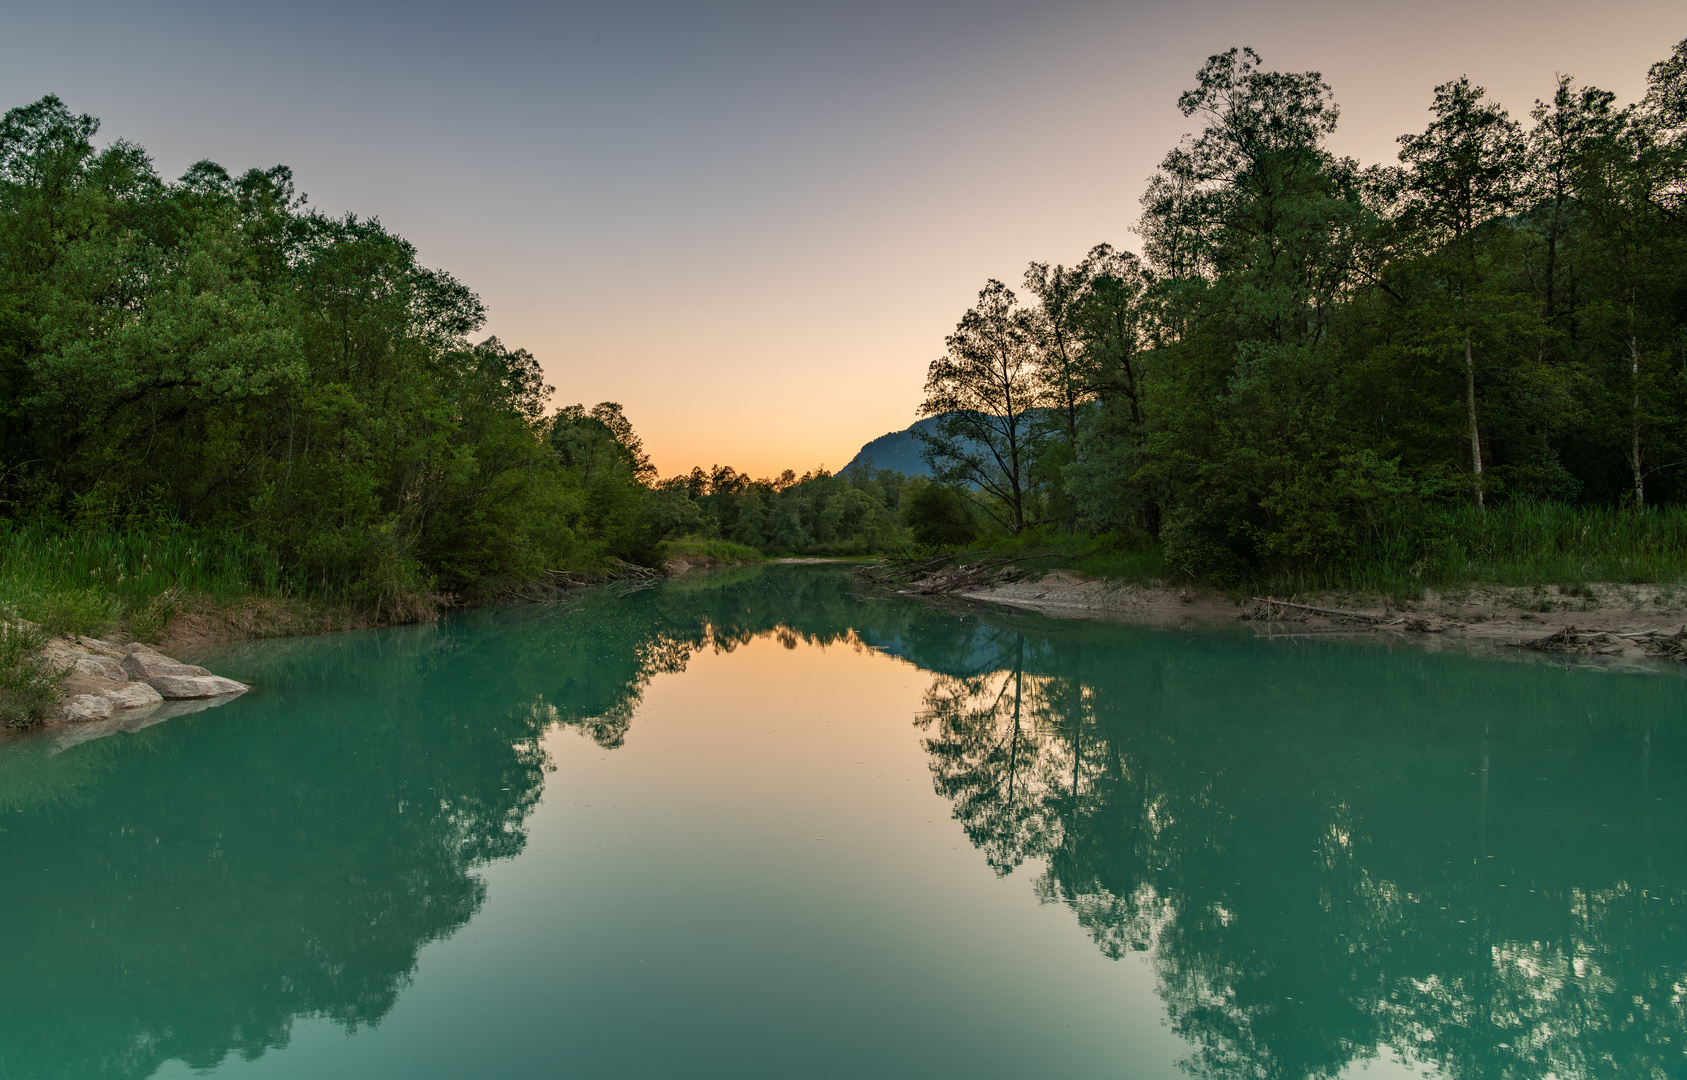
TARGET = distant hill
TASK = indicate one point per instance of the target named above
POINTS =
(898, 450)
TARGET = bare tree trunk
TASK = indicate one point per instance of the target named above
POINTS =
(1634, 426)
(1475, 436)
(1018, 688)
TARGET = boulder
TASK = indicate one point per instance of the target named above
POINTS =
(144, 664)
(104, 667)
(194, 686)
(101, 648)
(65, 658)
(133, 695)
(84, 707)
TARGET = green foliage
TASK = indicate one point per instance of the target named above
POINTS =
(86, 611)
(696, 550)
(209, 361)
(819, 513)
(28, 683)
(1316, 367)
(940, 515)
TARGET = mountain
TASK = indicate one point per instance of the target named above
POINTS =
(898, 450)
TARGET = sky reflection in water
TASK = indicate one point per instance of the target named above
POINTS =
(752, 825)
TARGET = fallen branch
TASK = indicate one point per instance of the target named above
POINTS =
(932, 577)
(1572, 640)
(1330, 613)
(902, 570)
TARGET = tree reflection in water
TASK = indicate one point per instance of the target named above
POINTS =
(1326, 851)
(189, 898)
(1347, 854)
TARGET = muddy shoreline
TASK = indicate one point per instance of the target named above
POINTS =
(1494, 620)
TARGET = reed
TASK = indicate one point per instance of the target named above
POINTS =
(88, 581)
(1512, 544)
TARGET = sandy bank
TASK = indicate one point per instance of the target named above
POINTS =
(1603, 620)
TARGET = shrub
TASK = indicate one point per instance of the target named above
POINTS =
(29, 684)
(939, 515)
(70, 611)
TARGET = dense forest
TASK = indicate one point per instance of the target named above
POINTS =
(212, 355)
(1313, 364)
(213, 358)
(1312, 356)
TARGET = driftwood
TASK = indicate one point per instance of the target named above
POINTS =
(1267, 608)
(1662, 642)
(1574, 640)
(1571, 639)
(559, 586)
(902, 570)
(935, 576)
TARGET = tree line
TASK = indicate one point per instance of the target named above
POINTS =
(213, 355)
(1310, 353)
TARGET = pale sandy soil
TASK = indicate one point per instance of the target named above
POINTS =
(1481, 618)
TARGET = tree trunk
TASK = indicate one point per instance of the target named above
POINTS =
(1018, 688)
(1475, 436)
(1634, 426)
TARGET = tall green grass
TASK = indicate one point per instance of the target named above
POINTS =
(1513, 544)
(88, 581)
(28, 682)
(720, 551)
(1129, 557)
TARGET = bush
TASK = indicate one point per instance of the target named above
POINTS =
(28, 683)
(70, 611)
(940, 515)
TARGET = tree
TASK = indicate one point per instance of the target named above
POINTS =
(1056, 333)
(938, 514)
(984, 392)
(1463, 171)
(1252, 227)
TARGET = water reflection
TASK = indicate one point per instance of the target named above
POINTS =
(189, 898)
(1348, 854)
(1325, 851)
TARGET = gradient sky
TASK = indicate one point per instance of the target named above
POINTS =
(752, 224)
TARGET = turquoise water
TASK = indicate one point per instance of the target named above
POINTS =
(751, 825)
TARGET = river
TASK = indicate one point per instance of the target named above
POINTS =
(752, 824)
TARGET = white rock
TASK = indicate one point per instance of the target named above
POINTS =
(133, 695)
(195, 686)
(104, 667)
(144, 664)
(101, 648)
(88, 663)
(84, 707)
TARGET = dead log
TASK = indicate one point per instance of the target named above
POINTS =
(1329, 613)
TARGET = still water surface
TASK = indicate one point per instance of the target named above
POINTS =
(750, 825)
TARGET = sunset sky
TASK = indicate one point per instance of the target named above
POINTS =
(752, 224)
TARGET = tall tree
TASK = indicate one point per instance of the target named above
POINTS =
(1463, 171)
(984, 392)
(1063, 377)
(1251, 226)
(1057, 336)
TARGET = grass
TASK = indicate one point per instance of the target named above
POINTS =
(28, 683)
(697, 549)
(95, 581)
(1520, 544)
(1133, 558)
(1514, 544)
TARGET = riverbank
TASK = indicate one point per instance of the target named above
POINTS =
(1611, 620)
(49, 681)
